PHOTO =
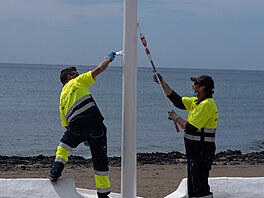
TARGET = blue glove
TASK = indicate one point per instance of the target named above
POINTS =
(112, 55)
(86, 143)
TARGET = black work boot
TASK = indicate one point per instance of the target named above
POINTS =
(53, 178)
(55, 172)
(103, 195)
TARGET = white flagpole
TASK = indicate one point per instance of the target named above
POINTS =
(129, 104)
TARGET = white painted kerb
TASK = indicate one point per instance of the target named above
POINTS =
(43, 188)
(38, 187)
(226, 187)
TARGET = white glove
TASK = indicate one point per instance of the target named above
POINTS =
(172, 115)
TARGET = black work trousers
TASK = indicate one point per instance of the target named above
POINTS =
(95, 134)
(198, 173)
(96, 137)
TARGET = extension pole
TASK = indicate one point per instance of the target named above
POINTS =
(129, 104)
(144, 42)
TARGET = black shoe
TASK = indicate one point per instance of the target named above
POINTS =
(103, 195)
(52, 178)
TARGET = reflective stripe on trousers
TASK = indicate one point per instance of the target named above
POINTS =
(102, 181)
(199, 133)
(62, 153)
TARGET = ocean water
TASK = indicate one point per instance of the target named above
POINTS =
(30, 121)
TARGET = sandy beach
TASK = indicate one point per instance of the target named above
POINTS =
(158, 174)
(152, 181)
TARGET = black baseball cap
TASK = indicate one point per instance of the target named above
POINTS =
(204, 80)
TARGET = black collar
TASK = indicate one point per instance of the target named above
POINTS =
(198, 101)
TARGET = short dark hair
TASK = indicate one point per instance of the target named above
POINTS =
(65, 72)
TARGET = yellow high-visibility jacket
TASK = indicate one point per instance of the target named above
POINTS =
(76, 100)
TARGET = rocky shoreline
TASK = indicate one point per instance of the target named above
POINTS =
(229, 157)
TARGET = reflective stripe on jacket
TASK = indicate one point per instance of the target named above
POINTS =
(203, 135)
(75, 98)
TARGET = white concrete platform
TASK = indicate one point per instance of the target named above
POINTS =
(43, 188)
(222, 187)
(38, 187)
(93, 193)
(226, 187)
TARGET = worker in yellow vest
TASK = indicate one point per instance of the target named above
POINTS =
(199, 131)
(84, 123)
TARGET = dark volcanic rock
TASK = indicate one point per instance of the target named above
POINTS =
(236, 157)
(160, 158)
(171, 158)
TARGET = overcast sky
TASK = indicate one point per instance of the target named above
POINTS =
(220, 34)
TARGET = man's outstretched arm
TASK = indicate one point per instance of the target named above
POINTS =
(103, 65)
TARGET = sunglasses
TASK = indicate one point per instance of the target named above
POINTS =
(76, 73)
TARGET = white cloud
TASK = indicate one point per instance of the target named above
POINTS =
(54, 11)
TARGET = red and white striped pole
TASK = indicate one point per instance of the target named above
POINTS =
(144, 42)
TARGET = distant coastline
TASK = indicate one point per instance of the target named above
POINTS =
(228, 157)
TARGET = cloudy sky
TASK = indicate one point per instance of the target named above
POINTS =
(220, 34)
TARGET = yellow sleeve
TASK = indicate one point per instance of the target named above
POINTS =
(86, 79)
(188, 102)
(63, 119)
